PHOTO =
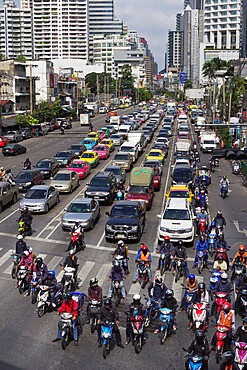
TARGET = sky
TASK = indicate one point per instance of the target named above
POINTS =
(151, 19)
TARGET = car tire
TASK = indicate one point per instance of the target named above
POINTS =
(14, 198)
(46, 208)
(1, 207)
(108, 240)
(57, 200)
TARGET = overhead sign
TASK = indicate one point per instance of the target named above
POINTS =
(183, 77)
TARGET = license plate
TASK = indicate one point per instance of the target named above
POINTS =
(6, 150)
(121, 236)
(96, 197)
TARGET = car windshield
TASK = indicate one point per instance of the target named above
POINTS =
(116, 136)
(156, 172)
(115, 170)
(121, 157)
(43, 164)
(208, 142)
(88, 155)
(62, 177)
(75, 147)
(182, 174)
(76, 165)
(62, 154)
(100, 148)
(10, 146)
(36, 194)
(179, 194)
(123, 130)
(127, 149)
(100, 181)
(138, 190)
(25, 175)
(124, 211)
(79, 208)
(176, 214)
(155, 154)
(87, 142)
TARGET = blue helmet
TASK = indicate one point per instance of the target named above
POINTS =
(51, 274)
(191, 277)
(213, 223)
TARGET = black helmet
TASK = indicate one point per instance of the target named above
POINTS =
(107, 303)
(180, 244)
(201, 286)
(68, 297)
(39, 261)
(224, 277)
(169, 293)
(219, 213)
(224, 177)
(93, 283)
(158, 280)
(227, 357)
(199, 334)
(202, 238)
(221, 237)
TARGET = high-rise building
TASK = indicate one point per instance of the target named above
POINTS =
(102, 21)
(244, 30)
(178, 21)
(186, 2)
(16, 31)
(174, 48)
(60, 29)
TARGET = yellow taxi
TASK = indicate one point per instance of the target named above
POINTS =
(126, 105)
(109, 143)
(121, 106)
(93, 135)
(179, 191)
(91, 157)
(156, 154)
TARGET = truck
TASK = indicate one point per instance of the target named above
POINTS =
(84, 119)
(208, 141)
(137, 136)
(141, 185)
(115, 121)
(182, 146)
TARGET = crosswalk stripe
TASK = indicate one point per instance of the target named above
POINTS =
(41, 255)
(85, 271)
(54, 262)
(176, 287)
(6, 256)
(8, 269)
(59, 276)
(135, 288)
(103, 273)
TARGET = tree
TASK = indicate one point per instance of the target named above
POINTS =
(22, 121)
(2, 57)
(46, 111)
(21, 57)
(126, 72)
(211, 66)
(188, 85)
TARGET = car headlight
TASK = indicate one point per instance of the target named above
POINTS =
(189, 230)
(108, 227)
(134, 228)
(104, 193)
(164, 229)
(28, 183)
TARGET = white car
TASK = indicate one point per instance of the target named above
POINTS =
(102, 110)
(177, 221)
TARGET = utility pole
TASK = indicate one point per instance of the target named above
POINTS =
(230, 107)
(97, 83)
(214, 102)
(105, 89)
(116, 88)
(108, 88)
(77, 92)
(2, 76)
(31, 90)
(224, 99)
(119, 87)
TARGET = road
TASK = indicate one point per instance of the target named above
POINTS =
(29, 337)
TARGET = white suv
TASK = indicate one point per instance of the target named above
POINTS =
(177, 221)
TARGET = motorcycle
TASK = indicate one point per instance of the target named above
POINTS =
(16, 261)
(241, 355)
(235, 169)
(243, 303)
(44, 298)
(224, 191)
(120, 195)
(106, 335)
(23, 279)
(34, 289)
(216, 275)
(201, 261)
(152, 310)
(61, 131)
(238, 269)
(221, 298)
(94, 307)
(120, 259)
(165, 261)
(117, 294)
(142, 274)
(211, 242)
(68, 280)
(221, 331)
(195, 361)
(199, 316)
(179, 268)
(137, 332)
(165, 324)
(216, 162)
(21, 228)
(223, 252)
(66, 326)
(75, 243)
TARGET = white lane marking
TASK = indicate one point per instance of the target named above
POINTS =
(236, 224)
(14, 166)
(54, 229)
(55, 261)
(6, 256)
(135, 288)
(104, 273)
(101, 239)
(12, 213)
(85, 271)
(60, 276)
(36, 146)
(177, 288)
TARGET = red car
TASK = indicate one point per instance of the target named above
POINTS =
(83, 168)
(157, 178)
(4, 141)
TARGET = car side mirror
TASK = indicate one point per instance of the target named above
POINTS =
(159, 216)
(51, 178)
(65, 209)
(107, 213)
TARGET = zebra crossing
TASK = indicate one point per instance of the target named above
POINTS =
(89, 269)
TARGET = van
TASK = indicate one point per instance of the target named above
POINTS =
(130, 147)
(208, 142)
(124, 129)
(141, 185)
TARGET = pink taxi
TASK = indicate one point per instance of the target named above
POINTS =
(102, 150)
(83, 168)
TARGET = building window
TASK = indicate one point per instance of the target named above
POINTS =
(223, 40)
(233, 40)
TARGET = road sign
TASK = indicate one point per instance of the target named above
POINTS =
(183, 77)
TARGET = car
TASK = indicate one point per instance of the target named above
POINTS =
(118, 171)
(182, 174)
(4, 141)
(162, 147)
(91, 157)
(156, 154)
(28, 178)
(101, 135)
(13, 149)
(14, 136)
(148, 134)
(27, 133)
(179, 191)
(40, 198)
(111, 129)
(65, 181)
(8, 194)
(102, 150)
(64, 157)
(67, 124)
(102, 187)
(182, 161)
(124, 160)
(89, 143)
(109, 143)
(82, 168)
(93, 135)
(48, 166)
(162, 140)
(77, 149)
(126, 221)
(177, 221)
(153, 163)
(117, 139)
(102, 110)
(157, 178)
(106, 131)
(83, 209)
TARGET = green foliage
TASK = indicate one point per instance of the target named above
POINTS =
(21, 57)
(188, 85)
(211, 66)
(144, 95)
(224, 134)
(2, 57)
(126, 72)
(22, 121)
(32, 121)
(73, 113)
(46, 111)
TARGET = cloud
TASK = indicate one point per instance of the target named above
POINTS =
(151, 19)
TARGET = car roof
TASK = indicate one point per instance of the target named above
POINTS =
(40, 187)
(108, 168)
(177, 203)
(127, 203)
(102, 174)
(63, 171)
(81, 200)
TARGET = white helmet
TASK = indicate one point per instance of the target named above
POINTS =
(224, 277)
(137, 298)
(120, 243)
(77, 221)
(19, 237)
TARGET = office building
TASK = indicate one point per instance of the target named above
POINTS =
(178, 21)
(174, 48)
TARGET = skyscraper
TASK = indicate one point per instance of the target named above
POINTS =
(186, 2)
(178, 21)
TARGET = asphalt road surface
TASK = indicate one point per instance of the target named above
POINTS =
(26, 339)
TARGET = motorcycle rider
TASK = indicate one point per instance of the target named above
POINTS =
(77, 228)
(220, 264)
(201, 216)
(220, 221)
(221, 243)
(212, 229)
(223, 285)
(224, 181)
(61, 130)
(10, 177)
(241, 332)
(27, 164)
(69, 306)
(241, 284)
(26, 261)
(135, 308)
(226, 318)
(20, 245)
(71, 261)
(203, 197)
(122, 250)
(199, 347)
(201, 245)
(158, 290)
(240, 256)
(198, 202)
(94, 292)
(200, 296)
(120, 187)
(32, 254)
(109, 313)
(180, 252)
(27, 218)
(117, 274)
(51, 283)
(191, 285)
(170, 302)
(143, 255)
(2, 173)
(41, 269)
(228, 362)
(167, 248)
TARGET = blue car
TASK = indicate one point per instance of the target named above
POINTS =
(89, 143)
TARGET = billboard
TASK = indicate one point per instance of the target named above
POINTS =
(194, 93)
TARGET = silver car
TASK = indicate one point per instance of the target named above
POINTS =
(40, 198)
(65, 181)
(84, 209)
(118, 171)
(117, 139)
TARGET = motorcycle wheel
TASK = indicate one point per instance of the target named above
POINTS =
(104, 350)
(143, 283)
(163, 335)
(177, 275)
(200, 267)
(34, 298)
(147, 321)
(218, 355)
(117, 299)
(13, 272)
(59, 300)
(41, 310)
(21, 289)
(138, 345)
(162, 269)
(93, 325)
(64, 341)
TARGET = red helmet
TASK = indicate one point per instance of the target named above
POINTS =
(241, 248)
(144, 248)
(226, 307)
(167, 237)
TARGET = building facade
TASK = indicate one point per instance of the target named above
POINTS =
(174, 48)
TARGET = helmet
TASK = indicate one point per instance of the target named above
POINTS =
(20, 237)
(241, 248)
(51, 274)
(107, 303)
(71, 252)
(201, 286)
(116, 265)
(180, 244)
(227, 357)
(158, 280)
(93, 283)
(120, 243)
(30, 250)
(202, 238)
(25, 253)
(39, 261)
(202, 191)
(226, 307)
(213, 224)
(167, 238)
(220, 257)
(224, 277)
(199, 334)
(219, 213)
(144, 248)
(221, 237)
(169, 293)
(224, 177)
(191, 277)
(1, 168)
(68, 297)
(27, 159)
(245, 320)
(203, 208)
(198, 198)
(137, 299)
(77, 221)
(25, 209)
